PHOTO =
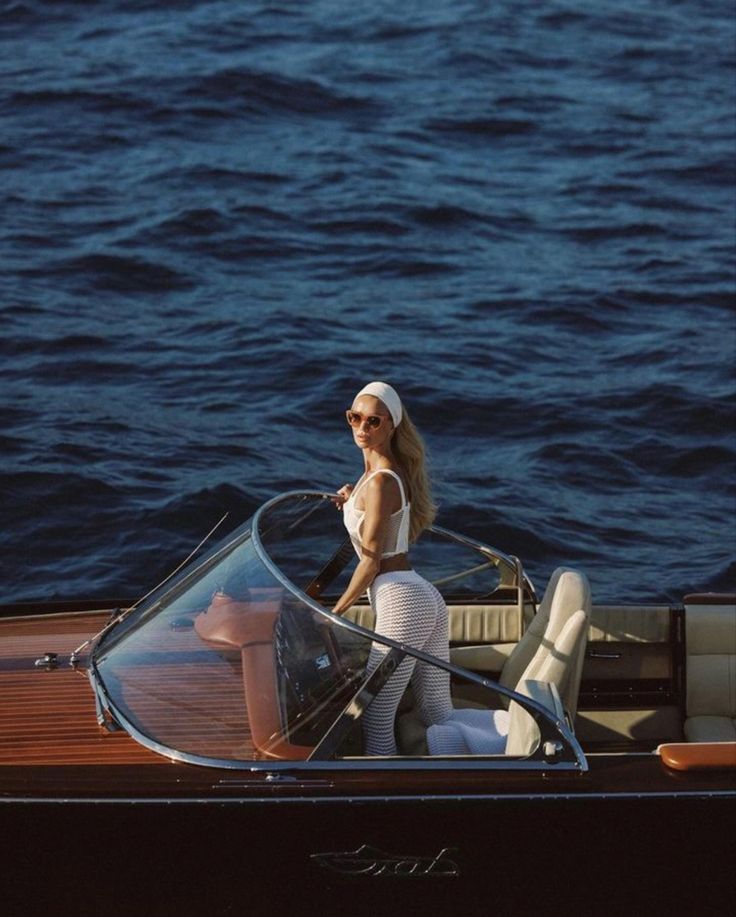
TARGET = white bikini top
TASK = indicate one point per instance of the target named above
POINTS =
(397, 538)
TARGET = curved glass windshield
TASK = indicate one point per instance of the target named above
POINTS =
(233, 662)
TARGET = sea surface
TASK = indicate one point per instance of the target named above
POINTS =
(220, 219)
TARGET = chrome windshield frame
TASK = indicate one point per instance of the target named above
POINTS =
(552, 729)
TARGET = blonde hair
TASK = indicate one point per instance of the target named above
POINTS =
(408, 448)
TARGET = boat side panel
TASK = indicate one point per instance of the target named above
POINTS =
(371, 857)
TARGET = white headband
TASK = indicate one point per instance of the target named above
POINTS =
(387, 395)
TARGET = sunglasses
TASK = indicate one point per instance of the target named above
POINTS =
(374, 421)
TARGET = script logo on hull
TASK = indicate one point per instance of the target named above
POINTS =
(369, 861)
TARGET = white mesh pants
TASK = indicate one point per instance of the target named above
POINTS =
(409, 610)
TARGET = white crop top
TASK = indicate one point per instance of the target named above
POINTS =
(397, 539)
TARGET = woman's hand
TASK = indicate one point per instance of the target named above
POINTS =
(343, 495)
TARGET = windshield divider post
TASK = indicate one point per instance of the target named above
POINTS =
(357, 705)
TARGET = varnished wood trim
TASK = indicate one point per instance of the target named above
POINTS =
(48, 716)
(710, 598)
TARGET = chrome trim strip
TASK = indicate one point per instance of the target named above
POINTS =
(509, 563)
(498, 557)
(444, 580)
(353, 799)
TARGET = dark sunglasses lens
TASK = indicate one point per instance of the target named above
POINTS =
(355, 419)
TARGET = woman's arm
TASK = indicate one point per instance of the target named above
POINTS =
(380, 497)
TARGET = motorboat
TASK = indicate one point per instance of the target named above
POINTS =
(202, 751)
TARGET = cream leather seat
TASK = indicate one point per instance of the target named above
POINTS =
(567, 592)
(552, 653)
(560, 668)
(710, 641)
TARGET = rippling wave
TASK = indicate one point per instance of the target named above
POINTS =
(221, 219)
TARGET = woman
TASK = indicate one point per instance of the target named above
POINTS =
(387, 509)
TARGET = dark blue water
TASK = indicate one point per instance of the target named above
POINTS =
(220, 219)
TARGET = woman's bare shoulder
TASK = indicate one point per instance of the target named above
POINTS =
(382, 487)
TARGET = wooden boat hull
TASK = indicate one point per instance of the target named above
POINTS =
(227, 796)
(89, 815)
(263, 853)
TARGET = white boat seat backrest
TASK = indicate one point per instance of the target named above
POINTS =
(710, 671)
(555, 670)
(567, 592)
